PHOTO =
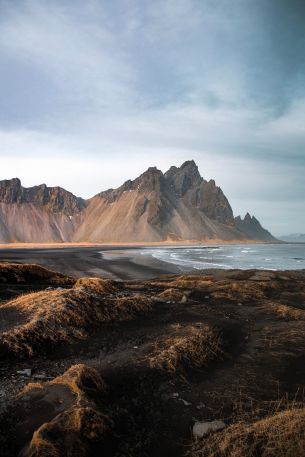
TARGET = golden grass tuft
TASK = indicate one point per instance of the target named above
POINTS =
(81, 378)
(20, 273)
(97, 284)
(279, 435)
(284, 311)
(188, 347)
(58, 316)
(174, 295)
(71, 433)
(74, 426)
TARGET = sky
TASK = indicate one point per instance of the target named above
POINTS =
(93, 93)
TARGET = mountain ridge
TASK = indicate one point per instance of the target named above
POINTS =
(176, 205)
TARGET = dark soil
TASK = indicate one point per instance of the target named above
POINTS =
(153, 411)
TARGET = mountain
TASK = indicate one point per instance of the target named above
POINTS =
(37, 214)
(176, 205)
(294, 238)
(252, 228)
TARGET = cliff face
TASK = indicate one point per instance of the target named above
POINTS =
(252, 228)
(37, 214)
(54, 199)
(176, 205)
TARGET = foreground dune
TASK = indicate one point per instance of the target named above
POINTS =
(98, 367)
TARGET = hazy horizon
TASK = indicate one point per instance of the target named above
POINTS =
(93, 94)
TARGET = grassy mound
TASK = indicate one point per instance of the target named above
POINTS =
(279, 435)
(186, 347)
(18, 273)
(64, 417)
(58, 316)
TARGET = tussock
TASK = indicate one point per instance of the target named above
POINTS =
(279, 435)
(20, 273)
(174, 295)
(71, 434)
(190, 347)
(284, 311)
(59, 316)
(72, 430)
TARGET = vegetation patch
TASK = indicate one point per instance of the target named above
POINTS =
(278, 435)
(187, 347)
(57, 316)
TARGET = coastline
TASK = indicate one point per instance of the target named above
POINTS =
(80, 261)
(209, 242)
(114, 261)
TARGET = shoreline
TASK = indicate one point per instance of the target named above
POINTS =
(112, 261)
(89, 261)
(215, 242)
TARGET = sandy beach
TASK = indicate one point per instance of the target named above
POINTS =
(79, 261)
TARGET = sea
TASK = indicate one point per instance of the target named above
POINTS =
(228, 256)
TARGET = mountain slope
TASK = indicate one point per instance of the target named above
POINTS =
(176, 205)
(294, 238)
(252, 228)
(37, 214)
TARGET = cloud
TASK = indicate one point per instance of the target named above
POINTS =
(114, 87)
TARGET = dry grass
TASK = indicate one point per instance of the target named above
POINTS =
(18, 273)
(188, 347)
(285, 311)
(70, 431)
(174, 295)
(59, 316)
(74, 433)
(278, 435)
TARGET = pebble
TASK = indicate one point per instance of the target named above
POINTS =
(42, 377)
(200, 406)
(201, 429)
(25, 372)
(186, 403)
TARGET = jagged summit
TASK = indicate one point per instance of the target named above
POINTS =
(184, 178)
(252, 228)
(55, 199)
(177, 205)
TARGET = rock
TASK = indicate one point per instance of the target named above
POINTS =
(184, 299)
(186, 403)
(200, 406)
(25, 372)
(43, 377)
(201, 429)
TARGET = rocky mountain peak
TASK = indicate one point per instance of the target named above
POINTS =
(248, 217)
(184, 178)
(55, 199)
(252, 228)
(148, 181)
(10, 190)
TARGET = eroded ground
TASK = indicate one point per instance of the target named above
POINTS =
(149, 359)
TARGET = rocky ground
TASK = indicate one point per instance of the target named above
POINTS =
(138, 368)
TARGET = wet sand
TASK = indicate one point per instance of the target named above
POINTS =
(89, 261)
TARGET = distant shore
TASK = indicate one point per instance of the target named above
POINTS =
(86, 259)
(81, 260)
(131, 244)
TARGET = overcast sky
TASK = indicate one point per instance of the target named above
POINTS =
(94, 92)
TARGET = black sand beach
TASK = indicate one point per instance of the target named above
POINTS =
(89, 261)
